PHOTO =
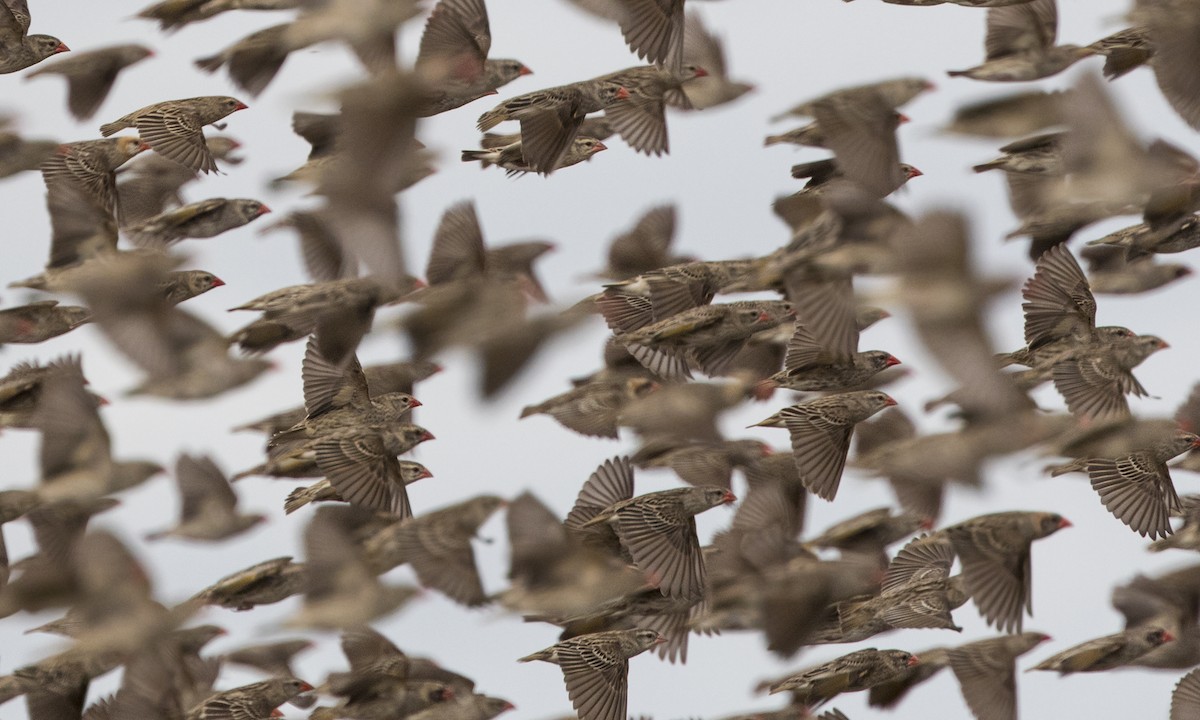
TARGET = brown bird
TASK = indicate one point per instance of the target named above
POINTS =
(256, 700)
(324, 491)
(453, 56)
(512, 159)
(658, 529)
(1111, 272)
(172, 15)
(209, 506)
(204, 219)
(986, 673)
(91, 165)
(183, 285)
(40, 321)
(438, 546)
(19, 49)
(90, 75)
(341, 590)
(593, 409)
(263, 583)
(152, 184)
(1021, 45)
(174, 128)
(994, 551)
(550, 119)
(641, 119)
(1106, 653)
(336, 399)
(709, 336)
(596, 669)
(18, 154)
(1137, 488)
(338, 313)
(20, 393)
(855, 672)
(253, 61)
(821, 430)
(860, 129)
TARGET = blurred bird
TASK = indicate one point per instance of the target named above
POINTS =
(19, 49)
(90, 75)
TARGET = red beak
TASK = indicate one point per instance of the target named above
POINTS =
(263, 210)
(913, 172)
(424, 474)
(701, 72)
(418, 283)
(428, 436)
(1167, 637)
(598, 147)
(891, 360)
(61, 48)
(902, 118)
(241, 106)
(524, 71)
(914, 660)
(415, 403)
(890, 401)
(622, 94)
(1064, 523)
(729, 497)
(217, 282)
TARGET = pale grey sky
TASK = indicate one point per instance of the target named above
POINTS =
(723, 181)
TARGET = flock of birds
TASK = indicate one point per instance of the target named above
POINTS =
(625, 571)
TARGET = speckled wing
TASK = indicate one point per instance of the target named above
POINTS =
(997, 573)
(663, 543)
(1058, 299)
(364, 474)
(925, 558)
(1018, 29)
(819, 447)
(1137, 490)
(610, 484)
(597, 680)
(1185, 700)
(545, 134)
(1093, 386)
(328, 387)
(641, 122)
(986, 675)
(654, 30)
(177, 136)
(458, 248)
(76, 165)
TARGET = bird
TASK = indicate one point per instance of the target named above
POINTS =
(550, 119)
(512, 160)
(1106, 653)
(91, 74)
(174, 128)
(658, 529)
(860, 670)
(204, 219)
(39, 321)
(986, 673)
(994, 551)
(821, 430)
(596, 669)
(208, 510)
(1137, 487)
(19, 49)
(1021, 45)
